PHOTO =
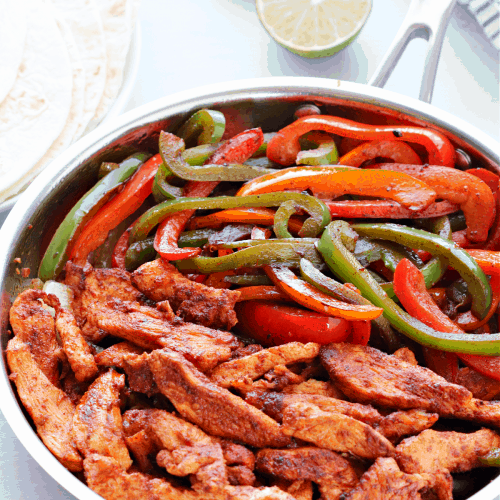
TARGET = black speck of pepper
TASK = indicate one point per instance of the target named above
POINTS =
(397, 133)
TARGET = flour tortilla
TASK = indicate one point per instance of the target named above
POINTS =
(34, 113)
(84, 21)
(12, 40)
(117, 19)
(77, 96)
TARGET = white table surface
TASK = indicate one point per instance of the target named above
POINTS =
(189, 43)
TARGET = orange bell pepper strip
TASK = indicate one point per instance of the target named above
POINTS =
(410, 192)
(261, 292)
(486, 176)
(236, 150)
(263, 216)
(410, 289)
(125, 203)
(488, 260)
(398, 151)
(472, 194)
(309, 296)
(284, 146)
(386, 209)
(274, 323)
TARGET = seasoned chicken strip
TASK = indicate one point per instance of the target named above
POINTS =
(236, 454)
(98, 285)
(404, 423)
(76, 348)
(139, 375)
(201, 345)
(183, 448)
(97, 423)
(239, 475)
(300, 490)
(49, 407)
(432, 451)
(368, 375)
(213, 408)
(333, 473)
(108, 479)
(274, 404)
(334, 431)
(192, 301)
(383, 480)
(34, 325)
(255, 365)
(114, 355)
(317, 387)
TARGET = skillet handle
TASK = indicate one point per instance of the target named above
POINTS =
(426, 19)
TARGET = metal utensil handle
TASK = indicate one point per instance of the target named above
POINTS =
(426, 19)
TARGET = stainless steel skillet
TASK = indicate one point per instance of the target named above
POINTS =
(269, 103)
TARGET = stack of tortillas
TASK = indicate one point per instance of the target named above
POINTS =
(61, 67)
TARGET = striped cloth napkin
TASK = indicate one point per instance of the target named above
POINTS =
(487, 14)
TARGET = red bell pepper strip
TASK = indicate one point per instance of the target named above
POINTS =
(473, 195)
(264, 216)
(486, 176)
(262, 292)
(398, 151)
(410, 288)
(337, 181)
(271, 323)
(386, 209)
(309, 296)
(237, 150)
(360, 333)
(116, 210)
(284, 146)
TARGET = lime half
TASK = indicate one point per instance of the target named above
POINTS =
(313, 28)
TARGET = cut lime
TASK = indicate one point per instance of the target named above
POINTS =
(313, 28)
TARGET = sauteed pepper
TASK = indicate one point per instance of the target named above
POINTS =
(397, 151)
(238, 149)
(284, 146)
(337, 181)
(69, 230)
(410, 288)
(345, 265)
(459, 259)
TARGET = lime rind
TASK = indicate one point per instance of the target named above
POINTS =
(313, 50)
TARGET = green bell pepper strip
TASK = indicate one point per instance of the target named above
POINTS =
(139, 253)
(206, 126)
(319, 213)
(492, 458)
(318, 148)
(341, 292)
(105, 168)
(254, 243)
(458, 258)
(282, 216)
(249, 279)
(345, 265)
(171, 149)
(56, 255)
(195, 238)
(257, 256)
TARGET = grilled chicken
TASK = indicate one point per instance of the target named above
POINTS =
(114, 355)
(203, 346)
(75, 347)
(97, 422)
(213, 408)
(383, 480)
(33, 325)
(317, 387)
(50, 408)
(275, 403)
(432, 451)
(334, 431)
(191, 301)
(108, 479)
(404, 423)
(333, 473)
(255, 365)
